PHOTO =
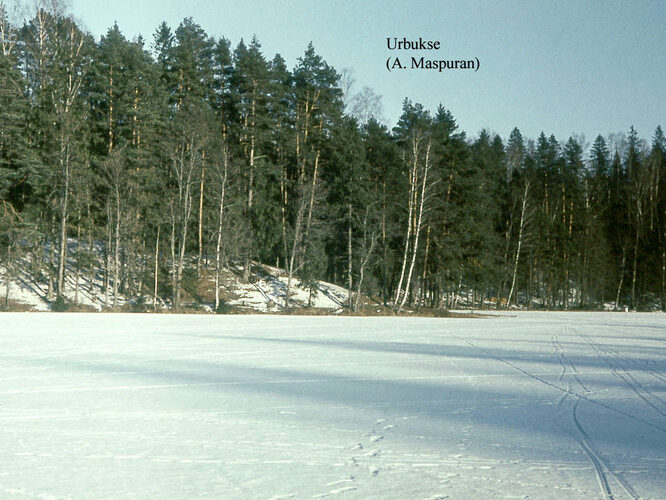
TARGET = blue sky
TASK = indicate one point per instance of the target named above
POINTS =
(564, 67)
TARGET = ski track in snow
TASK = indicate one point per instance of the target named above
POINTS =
(536, 405)
(618, 368)
(601, 467)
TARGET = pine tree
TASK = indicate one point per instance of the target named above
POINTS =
(487, 154)
(638, 187)
(15, 159)
(658, 162)
(280, 154)
(249, 83)
(351, 205)
(57, 59)
(598, 251)
(317, 104)
(415, 132)
(387, 183)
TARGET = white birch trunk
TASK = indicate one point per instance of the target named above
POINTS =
(410, 210)
(418, 226)
(218, 245)
(619, 287)
(116, 262)
(523, 209)
(349, 256)
(157, 260)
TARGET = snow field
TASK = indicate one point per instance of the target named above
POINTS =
(539, 405)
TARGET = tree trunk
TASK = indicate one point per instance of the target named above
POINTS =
(417, 230)
(183, 244)
(291, 269)
(365, 259)
(457, 293)
(107, 249)
(523, 208)
(174, 281)
(248, 250)
(201, 201)
(385, 285)
(619, 287)
(663, 279)
(283, 212)
(313, 190)
(8, 275)
(63, 232)
(410, 210)
(50, 266)
(157, 268)
(423, 298)
(349, 256)
(635, 266)
(116, 261)
(78, 267)
(218, 245)
(91, 248)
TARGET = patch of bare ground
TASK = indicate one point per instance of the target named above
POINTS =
(423, 312)
(309, 311)
(15, 307)
(81, 308)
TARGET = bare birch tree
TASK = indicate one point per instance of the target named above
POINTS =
(524, 201)
(420, 197)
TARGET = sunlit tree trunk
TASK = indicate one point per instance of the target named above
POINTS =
(523, 210)
(417, 229)
(220, 225)
(157, 267)
(410, 211)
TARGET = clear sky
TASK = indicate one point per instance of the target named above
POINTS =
(564, 67)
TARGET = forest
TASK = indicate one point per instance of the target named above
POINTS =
(184, 154)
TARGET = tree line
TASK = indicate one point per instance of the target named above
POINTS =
(139, 163)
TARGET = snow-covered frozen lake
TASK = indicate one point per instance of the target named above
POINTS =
(539, 405)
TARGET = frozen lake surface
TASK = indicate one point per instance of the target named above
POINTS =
(538, 405)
